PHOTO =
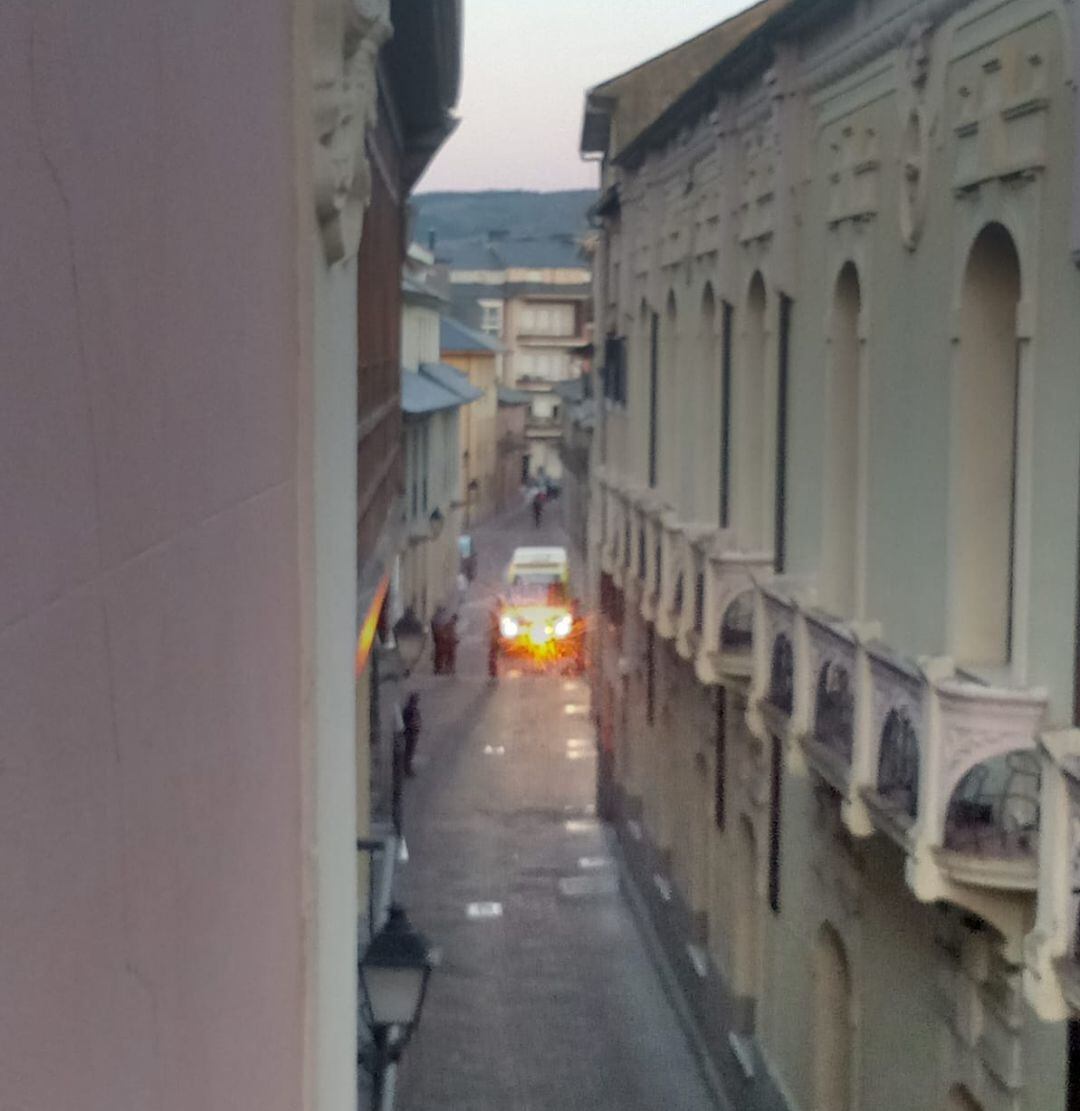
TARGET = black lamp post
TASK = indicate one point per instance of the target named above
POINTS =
(394, 975)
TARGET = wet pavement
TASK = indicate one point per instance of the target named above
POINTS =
(545, 997)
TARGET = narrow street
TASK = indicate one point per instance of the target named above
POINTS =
(545, 997)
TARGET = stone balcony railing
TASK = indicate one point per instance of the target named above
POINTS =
(692, 581)
(940, 762)
(1052, 949)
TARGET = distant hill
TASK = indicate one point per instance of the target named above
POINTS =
(462, 217)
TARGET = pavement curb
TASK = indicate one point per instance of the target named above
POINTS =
(691, 1030)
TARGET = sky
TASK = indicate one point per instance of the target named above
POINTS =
(526, 67)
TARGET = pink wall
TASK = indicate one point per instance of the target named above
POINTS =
(150, 929)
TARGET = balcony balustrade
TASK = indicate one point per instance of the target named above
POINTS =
(944, 764)
(1052, 949)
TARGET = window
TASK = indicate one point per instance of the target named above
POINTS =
(984, 455)
(774, 824)
(720, 751)
(725, 415)
(840, 563)
(491, 317)
(780, 533)
(654, 396)
(615, 369)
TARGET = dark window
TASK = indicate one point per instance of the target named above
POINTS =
(786, 307)
(615, 369)
(626, 544)
(1010, 615)
(721, 756)
(725, 415)
(699, 604)
(659, 570)
(525, 468)
(774, 824)
(650, 675)
(641, 554)
(654, 397)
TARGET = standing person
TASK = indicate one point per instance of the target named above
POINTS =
(410, 717)
(493, 642)
(538, 507)
(450, 647)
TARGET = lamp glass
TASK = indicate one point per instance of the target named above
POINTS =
(394, 994)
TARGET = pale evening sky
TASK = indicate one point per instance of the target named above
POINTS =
(526, 69)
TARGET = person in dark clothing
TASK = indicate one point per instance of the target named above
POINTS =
(410, 717)
(450, 645)
(538, 507)
(493, 642)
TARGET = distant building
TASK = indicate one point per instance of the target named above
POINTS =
(534, 296)
(511, 445)
(477, 356)
(432, 397)
(577, 416)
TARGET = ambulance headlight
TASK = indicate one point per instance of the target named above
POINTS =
(508, 627)
(563, 626)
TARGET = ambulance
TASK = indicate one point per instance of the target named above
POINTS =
(537, 618)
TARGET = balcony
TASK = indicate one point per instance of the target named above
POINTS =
(943, 764)
(1052, 949)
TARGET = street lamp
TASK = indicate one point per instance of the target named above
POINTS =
(394, 976)
(410, 636)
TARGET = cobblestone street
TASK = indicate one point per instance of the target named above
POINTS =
(546, 997)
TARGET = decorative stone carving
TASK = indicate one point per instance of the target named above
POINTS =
(915, 141)
(1001, 115)
(348, 36)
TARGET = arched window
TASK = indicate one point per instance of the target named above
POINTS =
(750, 409)
(983, 468)
(833, 1041)
(703, 415)
(842, 462)
(669, 410)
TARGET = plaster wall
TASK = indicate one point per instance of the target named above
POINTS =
(153, 669)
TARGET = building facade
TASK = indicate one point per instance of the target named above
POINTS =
(512, 447)
(533, 296)
(833, 540)
(476, 355)
(434, 395)
(185, 384)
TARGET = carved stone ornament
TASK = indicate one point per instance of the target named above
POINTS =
(915, 140)
(348, 36)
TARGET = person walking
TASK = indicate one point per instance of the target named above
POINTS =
(538, 507)
(410, 717)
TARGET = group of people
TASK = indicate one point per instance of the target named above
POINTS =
(444, 640)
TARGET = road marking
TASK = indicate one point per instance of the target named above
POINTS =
(496, 750)
(590, 863)
(579, 825)
(513, 674)
(578, 742)
(580, 754)
(698, 959)
(662, 886)
(483, 910)
(572, 686)
(575, 709)
(572, 886)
